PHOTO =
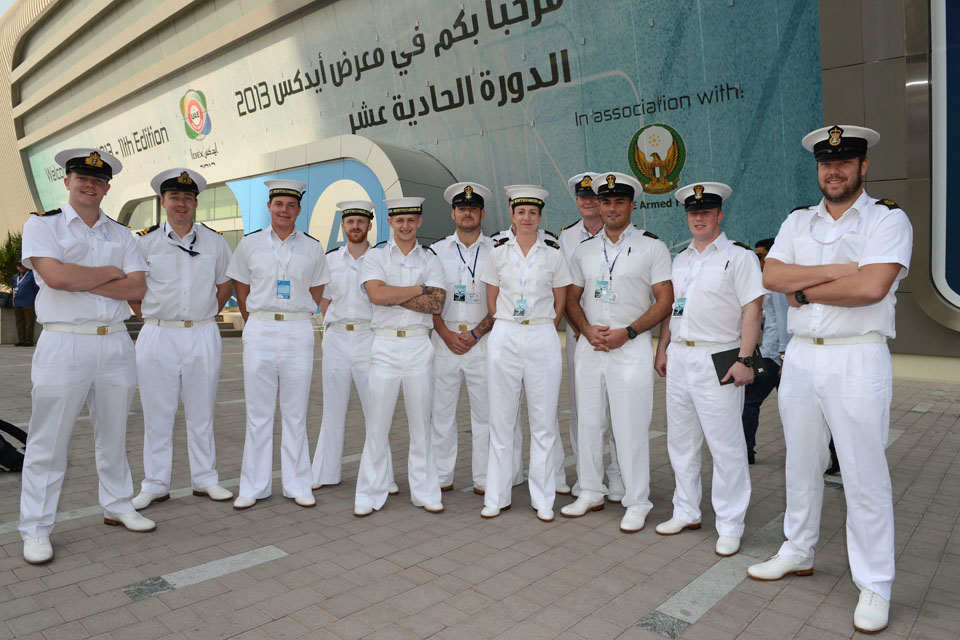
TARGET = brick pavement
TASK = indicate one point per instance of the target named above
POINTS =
(403, 573)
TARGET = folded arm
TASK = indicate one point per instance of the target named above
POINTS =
(73, 277)
(868, 286)
(788, 278)
(131, 287)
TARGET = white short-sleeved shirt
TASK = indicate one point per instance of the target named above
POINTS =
(66, 237)
(462, 266)
(570, 238)
(254, 263)
(638, 262)
(348, 300)
(869, 232)
(545, 270)
(181, 286)
(715, 286)
(388, 264)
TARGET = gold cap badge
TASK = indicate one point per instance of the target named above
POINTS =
(698, 192)
(586, 183)
(611, 181)
(467, 192)
(835, 135)
(93, 160)
(184, 178)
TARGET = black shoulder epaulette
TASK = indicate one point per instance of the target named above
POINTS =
(551, 243)
(329, 251)
(52, 212)
(144, 232)
(651, 235)
(501, 241)
(803, 206)
(572, 224)
(589, 239)
(119, 223)
(889, 204)
(311, 237)
(206, 227)
(742, 246)
(551, 233)
(430, 249)
(252, 232)
(380, 244)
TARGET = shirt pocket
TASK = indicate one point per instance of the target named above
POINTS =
(75, 252)
(163, 267)
(849, 248)
(716, 277)
(112, 253)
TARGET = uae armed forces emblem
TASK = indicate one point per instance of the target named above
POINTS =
(656, 155)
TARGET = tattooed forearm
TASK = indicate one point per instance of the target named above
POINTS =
(429, 302)
(485, 326)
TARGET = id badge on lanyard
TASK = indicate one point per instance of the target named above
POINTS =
(523, 275)
(283, 284)
(460, 292)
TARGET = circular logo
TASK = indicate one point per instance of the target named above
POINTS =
(656, 155)
(196, 119)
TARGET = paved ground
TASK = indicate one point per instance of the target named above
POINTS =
(280, 571)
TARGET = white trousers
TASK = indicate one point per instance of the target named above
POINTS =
(174, 363)
(620, 381)
(697, 408)
(843, 391)
(448, 370)
(527, 357)
(69, 371)
(613, 469)
(346, 357)
(277, 360)
(396, 362)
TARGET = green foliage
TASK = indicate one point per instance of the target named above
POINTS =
(9, 257)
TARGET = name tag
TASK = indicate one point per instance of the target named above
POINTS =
(609, 296)
(459, 293)
(473, 298)
(519, 308)
(283, 289)
(678, 306)
(602, 287)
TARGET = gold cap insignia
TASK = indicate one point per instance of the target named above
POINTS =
(835, 134)
(611, 181)
(586, 183)
(184, 178)
(698, 192)
(93, 160)
(467, 192)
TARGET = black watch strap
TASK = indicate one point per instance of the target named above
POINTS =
(801, 297)
(631, 334)
(748, 361)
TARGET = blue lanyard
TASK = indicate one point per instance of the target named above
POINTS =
(476, 254)
(626, 240)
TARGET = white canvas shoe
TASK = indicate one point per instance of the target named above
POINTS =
(872, 613)
(37, 550)
(776, 568)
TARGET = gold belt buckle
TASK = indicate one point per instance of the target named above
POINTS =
(349, 327)
(524, 322)
(278, 316)
(188, 323)
(401, 333)
(462, 327)
(818, 341)
(690, 343)
(102, 331)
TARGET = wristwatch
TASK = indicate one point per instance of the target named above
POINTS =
(631, 334)
(801, 297)
(423, 288)
(748, 361)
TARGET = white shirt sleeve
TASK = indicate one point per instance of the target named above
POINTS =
(38, 242)
(782, 248)
(891, 242)
(239, 267)
(132, 260)
(321, 271)
(576, 273)
(490, 273)
(434, 277)
(749, 278)
(561, 274)
(661, 267)
(372, 268)
(223, 260)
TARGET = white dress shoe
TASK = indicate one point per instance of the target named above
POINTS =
(306, 501)
(362, 512)
(144, 499)
(132, 521)
(37, 550)
(493, 512)
(872, 612)
(545, 515)
(727, 546)
(673, 526)
(575, 490)
(243, 502)
(321, 486)
(615, 492)
(394, 489)
(581, 507)
(433, 507)
(776, 568)
(633, 520)
(215, 492)
(563, 488)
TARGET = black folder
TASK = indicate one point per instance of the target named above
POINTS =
(723, 360)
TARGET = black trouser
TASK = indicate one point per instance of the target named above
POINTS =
(26, 320)
(754, 395)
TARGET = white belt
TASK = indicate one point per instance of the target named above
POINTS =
(461, 326)
(176, 324)
(350, 326)
(280, 317)
(534, 321)
(64, 327)
(403, 333)
(870, 338)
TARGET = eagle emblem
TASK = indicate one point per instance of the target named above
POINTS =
(93, 160)
(835, 134)
(467, 192)
(184, 178)
(698, 192)
(656, 157)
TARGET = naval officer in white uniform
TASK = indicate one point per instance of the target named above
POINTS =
(178, 349)
(840, 263)
(87, 267)
(279, 274)
(718, 294)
